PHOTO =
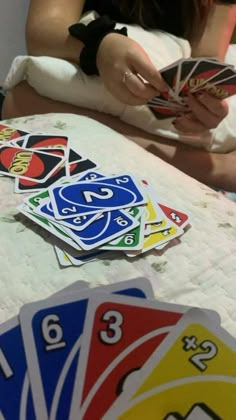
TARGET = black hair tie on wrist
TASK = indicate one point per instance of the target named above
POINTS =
(91, 36)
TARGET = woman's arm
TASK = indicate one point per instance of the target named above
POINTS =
(47, 28)
(217, 35)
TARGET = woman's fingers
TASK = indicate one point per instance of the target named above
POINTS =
(142, 65)
(216, 106)
(188, 124)
(209, 112)
(138, 87)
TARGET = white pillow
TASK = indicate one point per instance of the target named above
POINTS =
(63, 81)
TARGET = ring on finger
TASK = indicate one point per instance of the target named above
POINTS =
(127, 75)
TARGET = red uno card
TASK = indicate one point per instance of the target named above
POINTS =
(42, 141)
(120, 334)
(177, 217)
(223, 89)
(201, 73)
(171, 75)
(162, 112)
(8, 133)
(28, 164)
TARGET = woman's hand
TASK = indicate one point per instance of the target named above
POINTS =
(206, 112)
(127, 71)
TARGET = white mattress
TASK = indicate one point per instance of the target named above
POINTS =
(200, 271)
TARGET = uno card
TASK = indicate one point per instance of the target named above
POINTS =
(156, 239)
(157, 227)
(35, 200)
(74, 156)
(203, 72)
(8, 133)
(171, 75)
(167, 104)
(153, 212)
(52, 332)
(81, 198)
(77, 223)
(42, 141)
(132, 240)
(91, 176)
(186, 68)
(222, 89)
(175, 216)
(15, 395)
(26, 185)
(17, 143)
(85, 257)
(161, 112)
(74, 168)
(53, 228)
(107, 226)
(203, 356)
(63, 259)
(222, 75)
(120, 334)
(29, 164)
(84, 165)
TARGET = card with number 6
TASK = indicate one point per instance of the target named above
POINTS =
(52, 333)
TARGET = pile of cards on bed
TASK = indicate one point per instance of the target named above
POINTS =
(36, 161)
(89, 215)
(114, 352)
(193, 75)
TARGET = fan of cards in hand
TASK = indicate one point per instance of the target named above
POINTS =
(88, 214)
(114, 352)
(191, 76)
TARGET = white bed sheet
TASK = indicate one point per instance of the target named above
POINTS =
(200, 271)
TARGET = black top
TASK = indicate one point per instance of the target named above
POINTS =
(167, 19)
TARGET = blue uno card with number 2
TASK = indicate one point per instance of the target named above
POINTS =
(77, 223)
(91, 197)
(52, 332)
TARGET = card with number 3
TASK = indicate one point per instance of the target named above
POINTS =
(190, 376)
(52, 332)
(120, 335)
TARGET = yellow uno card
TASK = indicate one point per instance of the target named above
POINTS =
(157, 227)
(153, 212)
(191, 376)
(158, 238)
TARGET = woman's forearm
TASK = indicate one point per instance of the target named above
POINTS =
(47, 28)
(218, 32)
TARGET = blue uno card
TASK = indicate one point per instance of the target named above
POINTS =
(15, 394)
(91, 176)
(52, 334)
(105, 228)
(77, 223)
(86, 256)
(92, 197)
(123, 180)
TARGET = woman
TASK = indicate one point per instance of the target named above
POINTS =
(123, 65)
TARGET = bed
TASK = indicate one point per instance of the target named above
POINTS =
(200, 271)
